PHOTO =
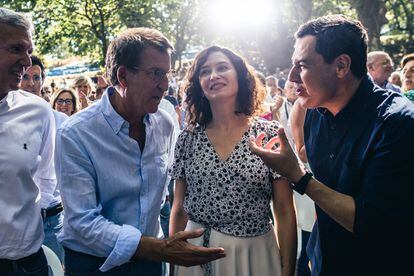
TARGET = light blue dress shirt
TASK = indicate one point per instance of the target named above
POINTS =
(111, 191)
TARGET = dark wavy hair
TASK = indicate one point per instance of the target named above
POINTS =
(249, 97)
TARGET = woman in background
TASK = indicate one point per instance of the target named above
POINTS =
(83, 87)
(407, 74)
(65, 101)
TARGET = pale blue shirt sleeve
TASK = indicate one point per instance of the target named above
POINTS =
(78, 183)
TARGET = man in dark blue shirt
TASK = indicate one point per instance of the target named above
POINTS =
(358, 140)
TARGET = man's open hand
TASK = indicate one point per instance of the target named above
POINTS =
(282, 159)
(177, 250)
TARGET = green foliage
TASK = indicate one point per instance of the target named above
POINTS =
(397, 35)
(85, 27)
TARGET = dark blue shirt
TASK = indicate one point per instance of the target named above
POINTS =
(365, 151)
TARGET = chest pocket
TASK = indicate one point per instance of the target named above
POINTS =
(22, 147)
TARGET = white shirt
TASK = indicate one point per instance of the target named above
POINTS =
(50, 193)
(27, 130)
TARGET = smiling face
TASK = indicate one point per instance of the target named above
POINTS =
(408, 76)
(15, 49)
(315, 80)
(32, 80)
(64, 103)
(218, 78)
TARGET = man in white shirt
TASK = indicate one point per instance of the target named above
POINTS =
(50, 202)
(26, 133)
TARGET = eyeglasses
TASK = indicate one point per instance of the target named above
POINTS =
(64, 101)
(156, 74)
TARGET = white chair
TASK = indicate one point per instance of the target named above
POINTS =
(53, 261)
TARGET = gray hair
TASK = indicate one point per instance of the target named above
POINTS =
(374, 55)
(16, 19)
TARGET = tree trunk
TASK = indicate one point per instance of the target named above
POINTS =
(372, 15)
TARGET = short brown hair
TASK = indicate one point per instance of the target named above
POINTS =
(249, 97)
(126, 49)
(75, 101)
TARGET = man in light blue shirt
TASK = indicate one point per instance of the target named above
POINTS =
(112, 162)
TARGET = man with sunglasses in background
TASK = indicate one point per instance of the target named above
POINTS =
(112, 163)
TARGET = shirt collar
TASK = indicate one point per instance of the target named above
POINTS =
(113, 118)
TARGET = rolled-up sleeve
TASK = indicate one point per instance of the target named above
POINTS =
(83, 218)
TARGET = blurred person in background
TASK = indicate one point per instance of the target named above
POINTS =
(283, 104)
(271, 89)
(34, 77)
(380, 67)
(65, 101)
(395, 78)
(101, 86)
(83, 87)
(407, 74)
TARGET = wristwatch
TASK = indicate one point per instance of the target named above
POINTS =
(300, 186)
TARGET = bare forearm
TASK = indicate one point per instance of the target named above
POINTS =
(178, 220)
(338, 206)
(287, 238)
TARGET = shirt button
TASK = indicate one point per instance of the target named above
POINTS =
(331, 155)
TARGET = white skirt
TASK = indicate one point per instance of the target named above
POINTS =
(245, 256)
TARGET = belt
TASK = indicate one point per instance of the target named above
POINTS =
(52, 211)
(7, 266)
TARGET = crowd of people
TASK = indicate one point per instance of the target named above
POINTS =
(218, 171)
